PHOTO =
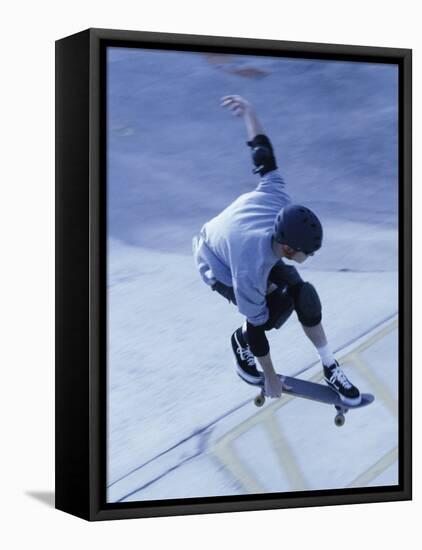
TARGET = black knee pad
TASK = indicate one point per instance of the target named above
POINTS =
(307, 304)
(279, 322)
(280, 306)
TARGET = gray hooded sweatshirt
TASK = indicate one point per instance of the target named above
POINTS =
(235, 247)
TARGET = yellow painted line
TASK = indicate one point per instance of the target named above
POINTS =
(376, 337)
(229, 458)
(376, 469)
(285, 455)
(381, 391)
(224, 449)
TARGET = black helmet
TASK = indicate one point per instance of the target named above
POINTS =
(299, 228)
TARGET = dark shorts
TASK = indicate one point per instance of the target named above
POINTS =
(279, 302)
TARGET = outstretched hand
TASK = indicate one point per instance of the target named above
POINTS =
(237, 104)
(274, 385)
(241, 107)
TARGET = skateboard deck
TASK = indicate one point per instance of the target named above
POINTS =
(317, 392)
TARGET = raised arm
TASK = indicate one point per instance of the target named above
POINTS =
(262, 150)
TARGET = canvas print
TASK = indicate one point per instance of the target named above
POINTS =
(252, 274)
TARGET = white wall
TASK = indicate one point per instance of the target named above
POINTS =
(27, 269)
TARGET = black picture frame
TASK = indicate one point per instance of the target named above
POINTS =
(81, 274)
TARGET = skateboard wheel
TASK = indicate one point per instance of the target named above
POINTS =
(259, 400)
(339, 420)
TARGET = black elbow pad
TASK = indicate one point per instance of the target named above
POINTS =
(262, 154)
(257, 340)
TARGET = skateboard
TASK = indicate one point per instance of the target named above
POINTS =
(317, 392)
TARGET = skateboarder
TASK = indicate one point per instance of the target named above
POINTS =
(239, 254)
